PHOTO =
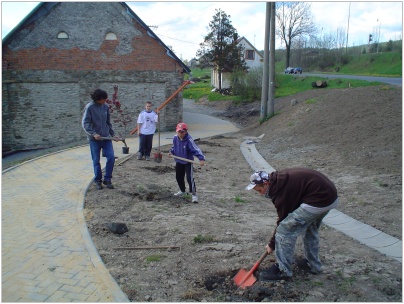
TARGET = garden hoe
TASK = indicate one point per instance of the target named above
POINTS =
(158, 156)
(243, 278)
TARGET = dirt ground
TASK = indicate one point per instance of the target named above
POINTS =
(353, 135)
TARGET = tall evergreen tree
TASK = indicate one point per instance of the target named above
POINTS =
(220, 46)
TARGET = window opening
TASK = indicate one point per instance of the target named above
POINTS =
(62, 35)
(111, 36)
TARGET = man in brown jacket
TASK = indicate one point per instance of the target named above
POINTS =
(302, 198)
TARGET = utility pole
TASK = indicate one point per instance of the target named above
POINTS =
(378, 36)
(271, 93)
(347, 31)
(265, 76)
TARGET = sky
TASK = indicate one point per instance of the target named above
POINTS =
(183, 25)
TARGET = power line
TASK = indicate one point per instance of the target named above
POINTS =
(178, 39)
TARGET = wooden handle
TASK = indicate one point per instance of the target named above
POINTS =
(184, 84)
(111, 138)
(147, 247)
(185, 159)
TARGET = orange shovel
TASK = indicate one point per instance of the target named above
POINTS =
(243, 278)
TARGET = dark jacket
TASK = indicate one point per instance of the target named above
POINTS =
(185, 148)
(289, 188)
(96, 120)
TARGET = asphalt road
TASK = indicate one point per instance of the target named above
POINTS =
(388, 80)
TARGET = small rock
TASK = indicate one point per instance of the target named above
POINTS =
(118, 228)
(316, 294)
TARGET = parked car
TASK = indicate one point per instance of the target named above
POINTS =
(289, 70)
(297, 70)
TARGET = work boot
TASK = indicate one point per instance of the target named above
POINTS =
(98, 184)
(303, 264)
(108, 184)
(273, 274)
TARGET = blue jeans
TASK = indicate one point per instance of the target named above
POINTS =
(145, 144)
(299, 222)
(108, 152)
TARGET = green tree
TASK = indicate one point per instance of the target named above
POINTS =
(220, 46)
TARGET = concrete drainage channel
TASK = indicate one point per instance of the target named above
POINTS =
(359, 231)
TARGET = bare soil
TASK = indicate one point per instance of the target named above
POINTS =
(352, 135)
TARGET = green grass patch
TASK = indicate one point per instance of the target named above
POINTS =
(204, 239)
(154, 258)
(238, 199)
(311, 101)
(375, 64)
(266, 118)
(286, 85)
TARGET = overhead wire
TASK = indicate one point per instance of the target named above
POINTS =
(182, 19)
(178, 39)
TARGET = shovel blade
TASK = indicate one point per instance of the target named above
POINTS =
(158, 157)
(241, 279)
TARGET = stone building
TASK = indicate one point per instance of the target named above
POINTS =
(62, 51)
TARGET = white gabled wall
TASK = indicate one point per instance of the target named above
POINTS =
(256, 62)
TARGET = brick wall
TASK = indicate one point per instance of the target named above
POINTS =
(47, 81)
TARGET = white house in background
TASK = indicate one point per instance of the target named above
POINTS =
(252, 57)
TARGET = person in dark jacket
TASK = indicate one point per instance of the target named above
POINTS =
(96, 123)
(302, 198)
(185, 147)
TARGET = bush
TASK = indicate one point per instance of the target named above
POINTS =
(254, 83)
(238, 83)
(247, 85)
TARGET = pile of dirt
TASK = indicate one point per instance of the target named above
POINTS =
(354, 136)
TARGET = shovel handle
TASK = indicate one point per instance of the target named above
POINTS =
(111, 138)
(254, 268)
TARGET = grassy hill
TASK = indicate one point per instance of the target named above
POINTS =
(373, 64)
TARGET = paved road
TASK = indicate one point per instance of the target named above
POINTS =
(388, 80)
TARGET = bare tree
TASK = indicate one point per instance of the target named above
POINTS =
(341, 37)
(294, 19)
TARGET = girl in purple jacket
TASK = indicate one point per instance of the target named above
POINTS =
(185, 147)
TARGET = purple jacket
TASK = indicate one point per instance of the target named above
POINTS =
(185, 148)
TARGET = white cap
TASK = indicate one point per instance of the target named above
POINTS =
(257, 178)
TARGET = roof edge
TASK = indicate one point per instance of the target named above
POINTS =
(28, 19)
(258, 52)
